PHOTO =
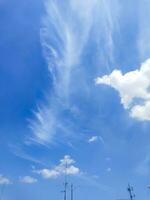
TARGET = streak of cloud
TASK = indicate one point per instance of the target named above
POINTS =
(65, 34)
(144, 31)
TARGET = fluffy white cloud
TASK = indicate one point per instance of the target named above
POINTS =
(66, 165)
(48, 173)
(141, 112)
(4, 180)
(28, 179)
(134, 89)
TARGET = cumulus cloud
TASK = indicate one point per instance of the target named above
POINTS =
(65, 166)
(28, 179)
(133, 88)
(4, 180)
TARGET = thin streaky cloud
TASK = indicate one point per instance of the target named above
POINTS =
(19, 152)
(64, 40)
(96, 138)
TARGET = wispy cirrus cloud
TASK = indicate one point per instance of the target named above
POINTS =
(143, 41)
(96, 138)
(21, 153)
(65, 34)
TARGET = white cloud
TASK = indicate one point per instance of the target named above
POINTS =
(66, 165)
(141, 112)
(93, 139)
(67, 159)
(48, 173)
(134, 89)
(96, 138)
(73, 170)
(4, 180)
(64, 40)
(28, 179)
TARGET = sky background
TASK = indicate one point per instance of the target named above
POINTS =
(73, 89)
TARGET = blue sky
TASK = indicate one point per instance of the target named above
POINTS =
(74, 82)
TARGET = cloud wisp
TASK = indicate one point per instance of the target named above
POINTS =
(144, 30)
(65, 34)
(133, 88)
(96, 138)
(93, 139)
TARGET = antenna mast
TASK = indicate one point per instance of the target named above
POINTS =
(66, 186)
(71, 191)
(65, 183)
(131, 192)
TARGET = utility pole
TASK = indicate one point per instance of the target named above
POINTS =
(71, 191)
(131, 192)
